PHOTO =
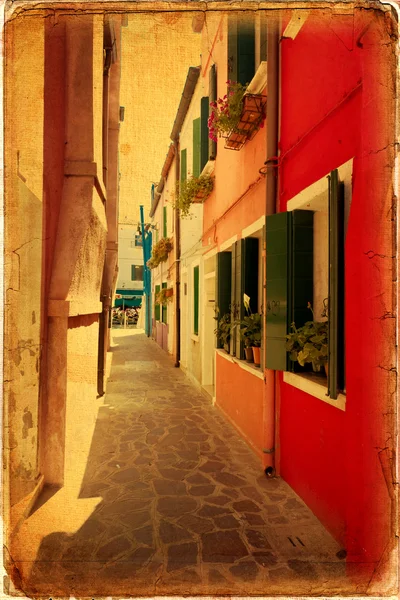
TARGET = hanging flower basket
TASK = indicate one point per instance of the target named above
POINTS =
(251, 120)
(160, 252)
(194, 190)
(169, 292)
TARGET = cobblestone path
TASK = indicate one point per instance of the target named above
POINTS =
(184, 506)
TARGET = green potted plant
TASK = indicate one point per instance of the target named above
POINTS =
(160, 252)
(309, 343)
(250, 331)
(225, 326)
(192, 190)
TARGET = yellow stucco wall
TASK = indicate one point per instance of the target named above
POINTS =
(157, 51)
(23, 248)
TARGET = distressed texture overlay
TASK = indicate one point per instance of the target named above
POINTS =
(124, 475)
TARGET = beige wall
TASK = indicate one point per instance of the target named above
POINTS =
(23, 250)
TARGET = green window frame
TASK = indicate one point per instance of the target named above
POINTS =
(245, 273)
(204, 147)
(290, 284)
(156, 305)
(196, 290)
(164, 311)
(223, 287)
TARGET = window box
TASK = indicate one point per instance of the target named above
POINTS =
(251, 119)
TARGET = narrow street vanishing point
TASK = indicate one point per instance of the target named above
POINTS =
(181, 504)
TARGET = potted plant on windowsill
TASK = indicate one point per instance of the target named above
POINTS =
(250, 331)
(309, 343)
(192, 191)
(225, 326)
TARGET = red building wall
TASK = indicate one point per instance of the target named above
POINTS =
(336, 103)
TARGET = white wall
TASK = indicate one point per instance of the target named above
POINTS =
(128, 256)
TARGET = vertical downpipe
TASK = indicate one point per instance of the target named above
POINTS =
(271, 377)
(177, 264)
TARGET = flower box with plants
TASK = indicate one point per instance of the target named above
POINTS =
(160, 252)
(164, 296)
(309, 344)
(237, 116)
(193, 190)
(250, 331)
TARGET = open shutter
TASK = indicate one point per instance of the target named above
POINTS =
(204, 106)
(336, 286)
(239, 289)
(212, 146)
(183, 165)
(277, 280)
(165, 221)
(196, 148)
(245, 51)
(224, 285)
(164, 306)
(196, 300)
(156, 305)
(289, 280)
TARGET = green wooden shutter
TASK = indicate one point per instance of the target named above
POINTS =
(232, 47)
(289, 280)
(156, 305)
(196, 300)
(212, 146)
(164, 306)
(224, 285)
(204, 106)
(196, 147)
(336, 286)
(237, 295)
(165, 221)
(277, 281)
(183, 165)
(245, 51)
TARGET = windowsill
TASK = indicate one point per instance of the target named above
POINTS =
(195, 337)
(309, 384)
(242, 364)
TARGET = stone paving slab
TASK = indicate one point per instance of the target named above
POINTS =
(185, 507)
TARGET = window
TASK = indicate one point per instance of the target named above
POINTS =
(196, 147)
(196, 300)
(156, 305)
(137, 242)
(164, 307)
(137, 273)
(237, 273)
(247, 44)
(305, 262)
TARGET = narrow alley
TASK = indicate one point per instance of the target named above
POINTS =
(181, 502)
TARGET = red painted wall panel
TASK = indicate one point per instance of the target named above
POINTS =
(240, 395)
(336, 461)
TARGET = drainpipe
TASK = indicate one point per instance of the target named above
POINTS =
(271, 206)
(177, 245)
